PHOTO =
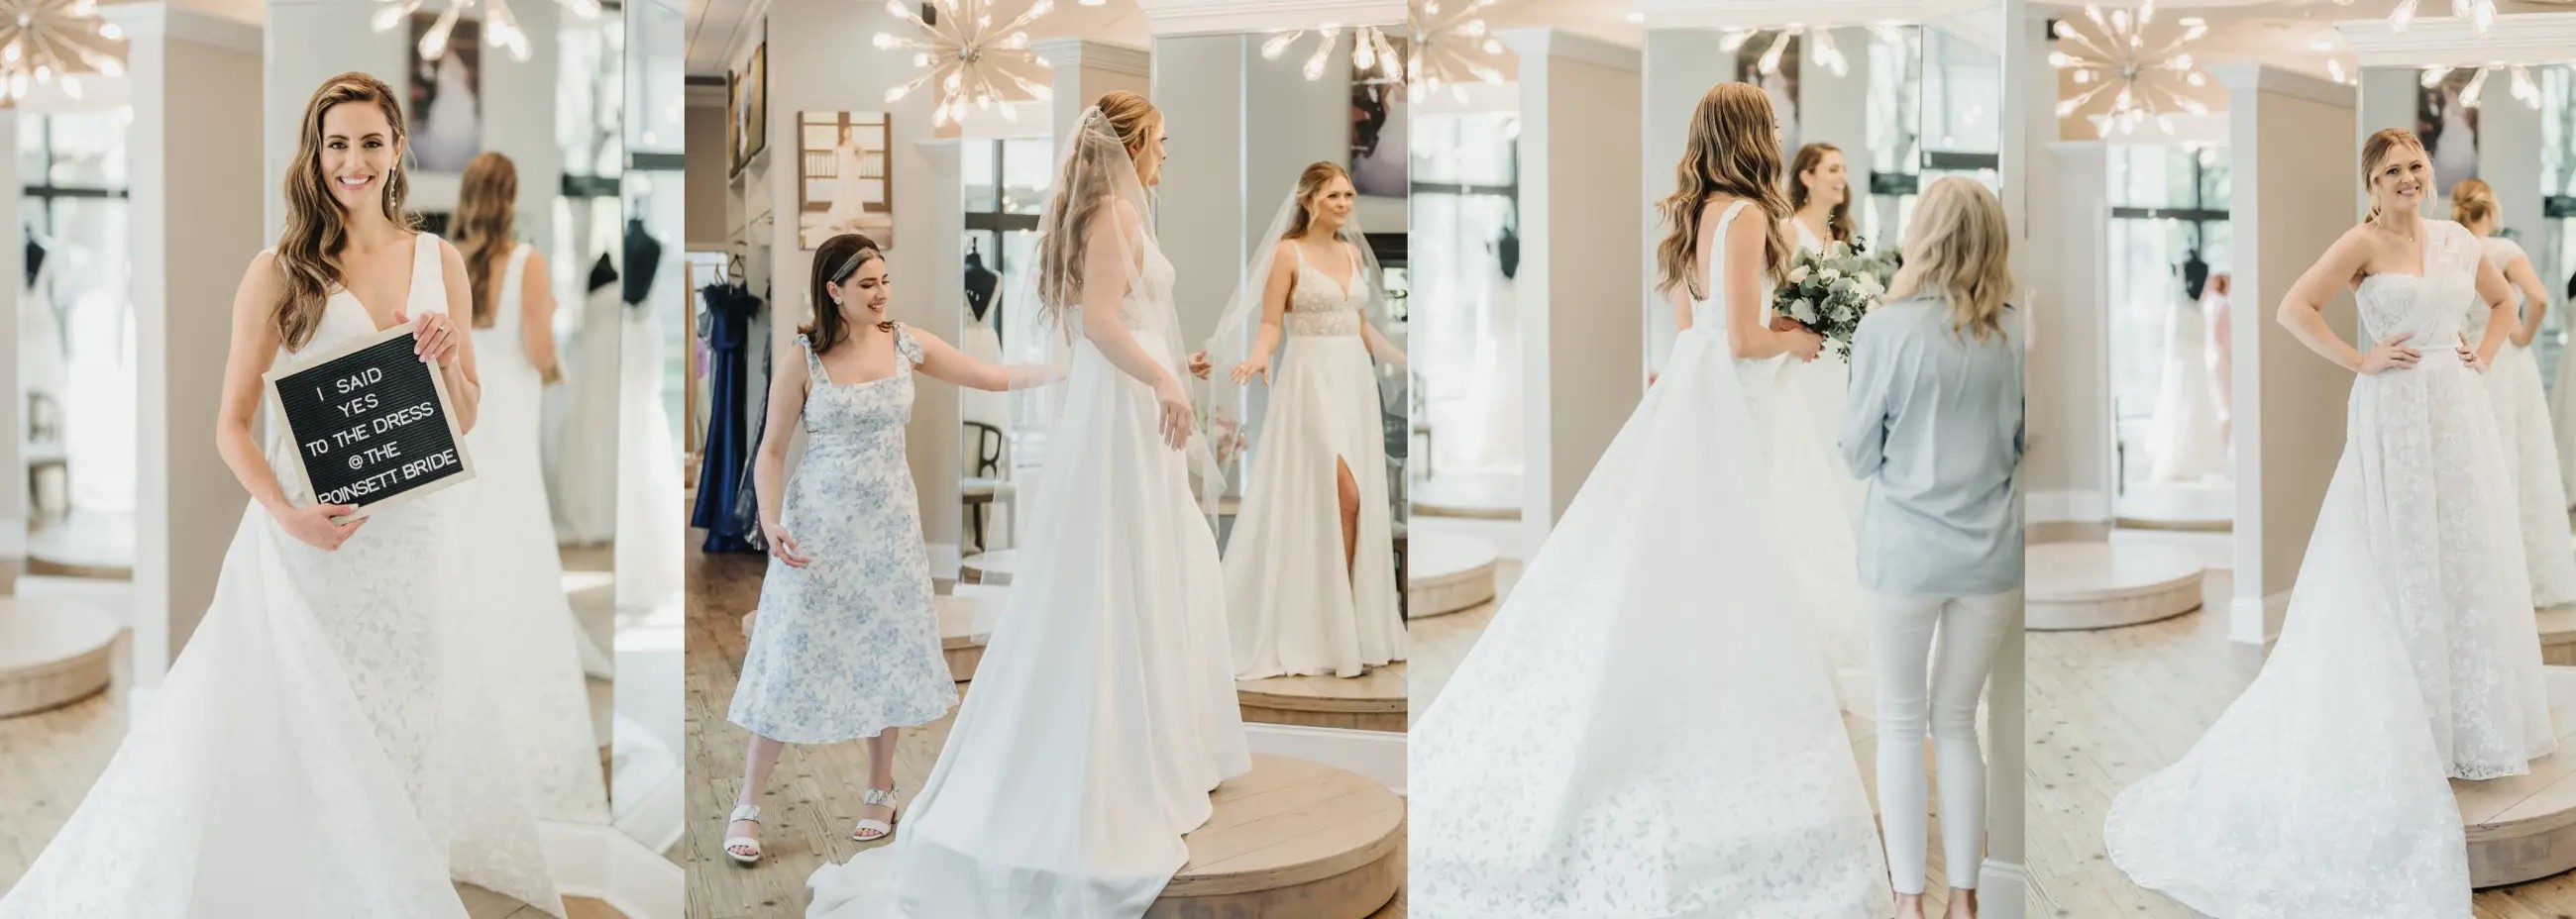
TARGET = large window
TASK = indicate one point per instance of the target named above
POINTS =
(1463, 330)
(2168, 204)
(77, 328)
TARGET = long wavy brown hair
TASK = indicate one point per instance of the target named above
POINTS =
(486, 224)
(1082, 191)
(1310, 186)
(1958, 248)
(1838, 226)
(2379, 145)
(839, 258)
(1733, 149)
(309, 250)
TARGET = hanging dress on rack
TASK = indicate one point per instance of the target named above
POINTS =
(725, 457)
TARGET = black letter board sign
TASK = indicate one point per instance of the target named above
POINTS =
(370, 423)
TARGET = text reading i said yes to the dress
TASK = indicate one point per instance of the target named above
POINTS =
(357, 435)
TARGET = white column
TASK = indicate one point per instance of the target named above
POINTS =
(2293, 143)
(194, 223)
(938, 302)
(1678, 68)
(2053, 193)
(13, 395)
(1200, 216)
(1583, 369)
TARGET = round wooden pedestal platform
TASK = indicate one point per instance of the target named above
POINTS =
(987, 567)
(1291, 838)
(2524, 827)
(53, 652)
(2102, 585)
(1449, 573)
(957, 635)
(1473, 496)
(2558, 635)
(1373, 701)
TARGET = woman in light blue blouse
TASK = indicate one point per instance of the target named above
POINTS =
(1934, 422)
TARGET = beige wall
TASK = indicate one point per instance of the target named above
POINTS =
(704, 173)
(194, 222)
(2293, 149)
(1582, 368)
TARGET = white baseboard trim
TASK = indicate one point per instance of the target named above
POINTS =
(2001, 887)
(945, 560)
(596, 861)
(2066, 506)
(1378, 755)
(2257, 620)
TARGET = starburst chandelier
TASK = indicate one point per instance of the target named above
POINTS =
(1450, 45)
(967, 59)
(2522, 88)
(2144, 79)
(2481, 14)
(1819, 42)
(500, 24)
(44, 39)
(1370, 50)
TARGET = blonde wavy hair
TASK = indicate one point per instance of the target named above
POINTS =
(1310, 186)
(1081, 192)
(1733, 149)
(308, 252)
(1959, 249)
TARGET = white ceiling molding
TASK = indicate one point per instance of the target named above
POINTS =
(1221, 17)
(1078, 53)
(1530, 44)
(1673, 14)
(2247, 75)
(2518, 38)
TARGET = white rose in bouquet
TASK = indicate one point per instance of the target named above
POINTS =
(1798, 275)
(1804, 310)
(1830, 275)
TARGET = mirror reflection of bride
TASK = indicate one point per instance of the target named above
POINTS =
(1309, 571)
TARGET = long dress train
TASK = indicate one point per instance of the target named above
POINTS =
(323, 746)
(1647, 730)
(520, 620)
(2409, 654)
(1293, 604)
(1104, 710)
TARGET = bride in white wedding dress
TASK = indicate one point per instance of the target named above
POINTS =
(522, 622)
(1310, 567)
(1825, 544)
(1103, 711)
(2522, 413)
(322, 747)
(1647, 730)
(2409, 654)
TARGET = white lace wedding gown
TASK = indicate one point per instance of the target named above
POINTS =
(1104, 710)
(520, 622)
(2184, 440)
(2409, 654)
(1294, 606)
(1646, 730)
(2530, 450)
(323, 747)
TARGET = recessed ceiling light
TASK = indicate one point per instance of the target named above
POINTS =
(2322, 44)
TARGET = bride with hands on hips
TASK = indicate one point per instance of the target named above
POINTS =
(322, 746)
(1648, 727)
(2409, 654)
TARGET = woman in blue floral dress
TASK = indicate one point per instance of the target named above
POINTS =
(846, 644)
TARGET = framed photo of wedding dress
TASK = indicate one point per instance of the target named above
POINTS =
(844, 179)
(446, 91)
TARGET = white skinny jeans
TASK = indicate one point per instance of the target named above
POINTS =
(1901, 632)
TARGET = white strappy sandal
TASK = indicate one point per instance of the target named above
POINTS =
(749, 812)
(876, 797)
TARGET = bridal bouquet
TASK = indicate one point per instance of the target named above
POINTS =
(1829, 290)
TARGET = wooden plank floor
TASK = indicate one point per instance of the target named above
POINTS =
(48, 760)
(813, 793)
(1439, 643)
(2108, 707)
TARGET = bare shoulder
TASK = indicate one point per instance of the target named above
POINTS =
(448, 258)
(923, 335)
(1285, 249)
(266, 278)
